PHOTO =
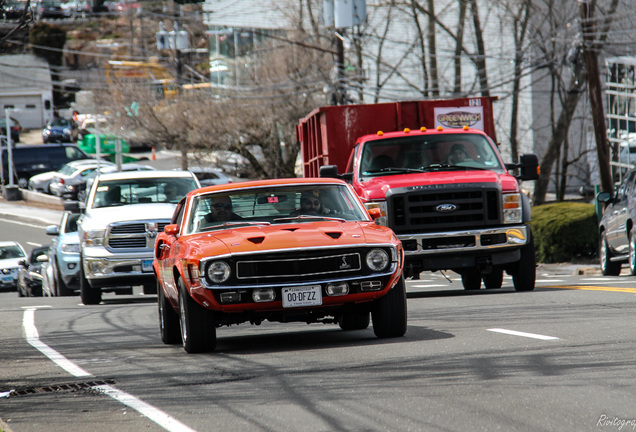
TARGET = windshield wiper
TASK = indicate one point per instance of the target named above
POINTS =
(309, 217)
(438, 167)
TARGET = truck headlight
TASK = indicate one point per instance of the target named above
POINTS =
(383, 219)
(512, 208)
(94, 237)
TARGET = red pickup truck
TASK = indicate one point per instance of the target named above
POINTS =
(434, 170)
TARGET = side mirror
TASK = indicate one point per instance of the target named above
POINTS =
(42, 258)
(52, 230)
(22, 263)
(604, 197)
(330, 171)
(529, 167)
(171, 229)
(375, 213)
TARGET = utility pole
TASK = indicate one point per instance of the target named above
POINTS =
(596, 98)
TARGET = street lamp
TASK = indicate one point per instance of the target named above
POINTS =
(176, 40)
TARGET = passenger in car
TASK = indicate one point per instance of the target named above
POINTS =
(221, 210)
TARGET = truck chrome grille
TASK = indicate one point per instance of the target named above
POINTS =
(417, 210)
(134, 235)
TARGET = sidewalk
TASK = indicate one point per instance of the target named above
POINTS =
(29, 211)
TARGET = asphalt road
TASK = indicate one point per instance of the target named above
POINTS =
(558, 358)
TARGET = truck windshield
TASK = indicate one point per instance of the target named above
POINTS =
(141, 191)
(428, 152)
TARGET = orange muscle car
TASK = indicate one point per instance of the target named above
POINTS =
(302, 250)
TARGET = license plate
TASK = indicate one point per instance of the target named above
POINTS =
(7, 279)
(302, 296)
(146, 265)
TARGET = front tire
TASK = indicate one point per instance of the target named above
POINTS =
(198, 330)
(494, 279)
(471, 280)
(89, 296)
(632, 253)
(168, 319)
(60, 289)
(608, 267)
(525, 275)
(389, 313)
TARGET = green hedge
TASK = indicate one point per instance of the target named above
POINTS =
(564, 232)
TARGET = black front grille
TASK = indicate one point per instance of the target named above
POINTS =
(128, 242)
(329, 264)
(297, 266)
(444, 207)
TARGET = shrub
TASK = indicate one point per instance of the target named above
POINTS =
(564, 231)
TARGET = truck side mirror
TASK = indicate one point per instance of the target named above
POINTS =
(528, 166)
(330, 171)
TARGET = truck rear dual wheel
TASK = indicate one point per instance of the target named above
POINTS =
(198, 330)
(168, 319)
(89, 296)
(389, 313)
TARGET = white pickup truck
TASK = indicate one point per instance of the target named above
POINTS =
(123, 213)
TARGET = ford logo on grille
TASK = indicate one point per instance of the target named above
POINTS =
(445, 208)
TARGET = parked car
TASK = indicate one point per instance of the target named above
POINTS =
(210, 176)
(617, 236)
(40, 182)
(29, 160)
(11, 253)
(29, 274)
(60, 130)
(14, 126)
(283, 250)
(63, 257)
(65, 183)
(51, 9)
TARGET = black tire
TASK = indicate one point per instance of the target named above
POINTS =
(525, 274)
(494, 279)
(632, 253)
(198, 330)
(150, 288)
(60, 289)
(89, 296)
(168, 319)
(389, 313)
(608, 267)
(471, 280)
(354, 321)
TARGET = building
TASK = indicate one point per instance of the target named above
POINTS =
(26, 87)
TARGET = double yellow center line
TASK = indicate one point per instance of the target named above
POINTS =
(591, 288)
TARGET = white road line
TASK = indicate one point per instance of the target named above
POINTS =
(156, 415)
(21, 223)
(427, 285)
(517, 333)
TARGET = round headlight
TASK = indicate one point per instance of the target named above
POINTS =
(377, 259)
(218, 272)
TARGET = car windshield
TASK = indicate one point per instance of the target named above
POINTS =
(274, 205)
(426, 153)
(9, 252)
(139, 191)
